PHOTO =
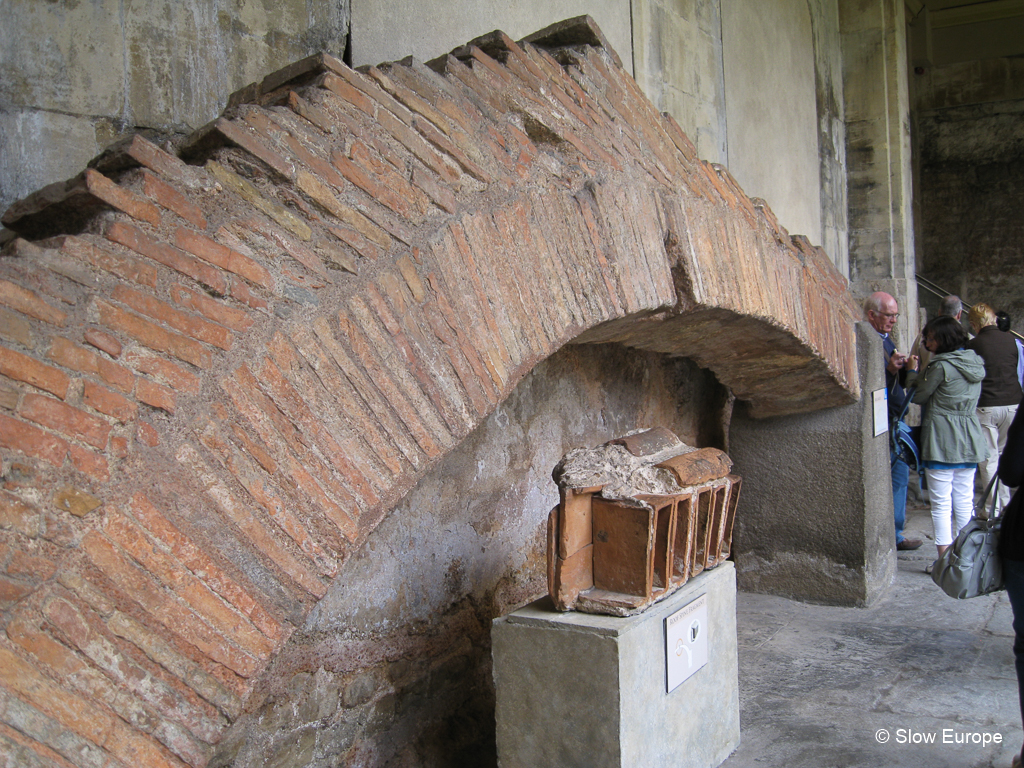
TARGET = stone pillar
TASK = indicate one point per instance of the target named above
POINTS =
(815, 521)
(877, 102)
(579, 690)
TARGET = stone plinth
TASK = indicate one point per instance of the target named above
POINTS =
(576, 689)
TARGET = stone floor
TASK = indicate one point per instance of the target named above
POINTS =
(896, 685)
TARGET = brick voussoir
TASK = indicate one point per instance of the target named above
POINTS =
(311, 533)
(490, 338)
(162, 565)
(298, 570)
(215, 310)
(376, 407)
(342, 446)
(288, 394)
(424, 360)
(378, 360)
(408, 98)
(196, 559)
(527, 267)
(353, 415)
(141, 588)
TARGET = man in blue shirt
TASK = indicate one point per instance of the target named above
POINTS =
(881, 311)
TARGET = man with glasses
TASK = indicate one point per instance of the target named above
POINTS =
(881, 311)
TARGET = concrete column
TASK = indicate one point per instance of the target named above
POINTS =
(877, 102)
(815, 521)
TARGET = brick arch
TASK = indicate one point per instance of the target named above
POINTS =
(227, 359)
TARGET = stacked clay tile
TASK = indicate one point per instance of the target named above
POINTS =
(617, 554)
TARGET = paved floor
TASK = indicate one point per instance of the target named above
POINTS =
(901, 684)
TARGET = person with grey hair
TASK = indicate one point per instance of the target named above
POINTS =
(881, 311)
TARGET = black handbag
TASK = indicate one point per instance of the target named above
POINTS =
(971, 565)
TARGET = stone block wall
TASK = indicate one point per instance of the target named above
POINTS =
(970, 138)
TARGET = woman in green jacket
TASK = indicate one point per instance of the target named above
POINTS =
(952, 442)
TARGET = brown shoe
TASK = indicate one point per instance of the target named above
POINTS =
(908, 544)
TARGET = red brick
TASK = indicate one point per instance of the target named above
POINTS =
(116, 264)
(155, 395)
(289, 246)
(21, 367)
(197, 328)
(118, 447)
(109, 403)
(288, 394)
(135, 206)
(165, 567)
(218, 311)
(239, 290)
(164, 194)
(131, 237)
(103, 342)
(435, 189)
(42, 754)
(70, 421)
(34, 567)
(12, 590)
(14, 327)
(89, 462)
(140, 586)
(248, 140)
(69, 709)
(32, 441)
(20, 516)
(253, 528)
(350, 94)
(29, 303)
(147, 434)
(86, 361)
(171, 374)
(202, 565)
(163, 163)
(223, 257)
(353, 413)
(153, 336)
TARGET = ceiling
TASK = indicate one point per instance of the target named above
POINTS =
(955, 31)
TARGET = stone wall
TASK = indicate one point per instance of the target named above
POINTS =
(970, 138)
(77, 76)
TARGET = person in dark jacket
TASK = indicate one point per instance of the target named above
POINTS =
(1011, 544)
(1000, 389)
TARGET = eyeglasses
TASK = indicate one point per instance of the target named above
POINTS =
(893, 315)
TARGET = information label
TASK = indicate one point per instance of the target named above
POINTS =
(686, 642)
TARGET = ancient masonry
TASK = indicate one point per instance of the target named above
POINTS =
(222, 362)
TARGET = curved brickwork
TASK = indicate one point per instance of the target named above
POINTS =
(222, 363)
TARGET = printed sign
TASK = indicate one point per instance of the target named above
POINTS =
(686, 642)
(880, 401)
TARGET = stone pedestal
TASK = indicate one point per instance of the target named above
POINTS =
(576, 689)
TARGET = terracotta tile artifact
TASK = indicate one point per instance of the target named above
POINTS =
(637, 518)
